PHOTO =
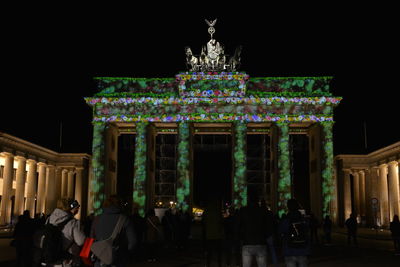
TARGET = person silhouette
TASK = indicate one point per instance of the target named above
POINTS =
(395, 231)
(351, 224)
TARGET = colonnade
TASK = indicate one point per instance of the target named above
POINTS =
(372, 193)
(321, 164)
(36, 186)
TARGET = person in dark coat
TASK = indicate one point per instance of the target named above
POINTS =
(232, 244)
(294, 255)
(139, 226)
(327, 228)
(23, 236)
(169, 228)
(314, 225)
(395, 230)
(212, 226)
(254, 227)
(351, 224)
(104, 224)
(153, 235)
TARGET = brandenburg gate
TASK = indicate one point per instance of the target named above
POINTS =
(213, 96)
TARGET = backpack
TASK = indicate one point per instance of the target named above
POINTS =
(105, 250)
(48, 240)
(297, 235)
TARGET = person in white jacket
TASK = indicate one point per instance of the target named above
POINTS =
(73, 234)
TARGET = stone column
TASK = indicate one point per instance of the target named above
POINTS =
(384, 196)
(31, 187)
(70, 191)
(51, 198)
(239, 194)
(284, 183)
(41, 190)
(97, 194)
(374, 193)
(64, 183)
(347, 194)
(356, 191)
(5, 206)
(140, 171)
(394, 200)
(327, 169)
(362, 193)
(78, 189)
(20, 186)
(183, 167)
(58, 183)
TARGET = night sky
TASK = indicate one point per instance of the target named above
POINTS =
(50, 59)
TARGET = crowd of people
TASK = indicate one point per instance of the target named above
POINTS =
(230, 237)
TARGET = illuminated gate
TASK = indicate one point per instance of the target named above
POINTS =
(217, 99)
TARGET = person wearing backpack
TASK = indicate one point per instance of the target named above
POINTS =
(254, 226)
(294, 229)
(103, 228)
(59, 240)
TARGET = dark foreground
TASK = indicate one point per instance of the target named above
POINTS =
(373, 250)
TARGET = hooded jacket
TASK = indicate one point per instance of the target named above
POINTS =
(73, 236)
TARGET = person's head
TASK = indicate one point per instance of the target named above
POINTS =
(396, 218)
(26, 214)
(68, 205)
(293, 204)
(113, 201)
(150, 212)
(252, 198)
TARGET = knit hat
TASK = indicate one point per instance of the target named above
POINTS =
(74, 204)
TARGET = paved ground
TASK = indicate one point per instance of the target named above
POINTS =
(375, 249)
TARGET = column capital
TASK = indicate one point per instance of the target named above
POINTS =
(20, 158)
(41, 164)
(31, 161)
(362, 172)
(383, 166)
(6, 154)
(347, 171)
(63, 170)
(51, 166)
(393, 163)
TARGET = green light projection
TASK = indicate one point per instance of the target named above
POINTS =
(327, 171)
(139, 180)
(284, 193)
(98, 163)
(211, 97)
(239, 155)
(183, 183)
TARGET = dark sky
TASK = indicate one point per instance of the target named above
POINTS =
(50, 58)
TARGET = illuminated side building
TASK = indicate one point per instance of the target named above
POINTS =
(368, 186)
(33, 178)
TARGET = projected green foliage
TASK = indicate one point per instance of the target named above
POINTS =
(98, 162)
(239, 155)
(139, 180)
(183, 185)
(327, 171)
(284, 167)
